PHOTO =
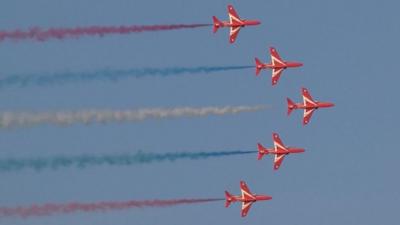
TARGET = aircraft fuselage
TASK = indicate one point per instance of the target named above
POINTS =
(256, 198)
(288, 151)
(286, 65)
(319, 105)
(242, 24)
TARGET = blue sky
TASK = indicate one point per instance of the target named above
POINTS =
(348, 174)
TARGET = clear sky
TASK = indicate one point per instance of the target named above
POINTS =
(348, 175)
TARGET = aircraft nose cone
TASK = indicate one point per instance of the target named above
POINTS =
(298, 64)
(266, 197)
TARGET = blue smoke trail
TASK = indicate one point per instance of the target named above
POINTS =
(107, 75)
(85, 161)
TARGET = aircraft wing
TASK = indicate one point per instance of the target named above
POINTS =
(307, 99)
(246, 193)
(234, 31)
(278, 160)
(278, 144)
(275, 58)
(307, 115)
(245, 208)
(234, 18)
(276, 74)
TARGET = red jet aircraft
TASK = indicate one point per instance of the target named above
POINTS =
(309, 105)
(235, 23)
(279, 150)
(277, 65)
(247, 198)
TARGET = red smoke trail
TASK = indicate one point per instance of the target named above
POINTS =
(40, 34)
(51, 208)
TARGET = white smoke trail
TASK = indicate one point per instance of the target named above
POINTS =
(64, 118)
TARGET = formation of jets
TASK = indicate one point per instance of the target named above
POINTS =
(309, 105)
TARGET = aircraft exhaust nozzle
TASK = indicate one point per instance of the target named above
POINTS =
(229, 199)
(291, 106)
(217, 24)
(261, 151)
(258, 66)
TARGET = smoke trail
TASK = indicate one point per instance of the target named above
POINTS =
(74, 207)
(85, 161)
(107, 75)
(26, 119)
(40, 34)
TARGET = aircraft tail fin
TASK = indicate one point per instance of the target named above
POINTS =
(258, 66)
(229, 198)
(217, 24)
(261, 151)
(291, 106)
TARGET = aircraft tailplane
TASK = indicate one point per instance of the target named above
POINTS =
(229, 198)
(217, 24)
(258, 66)
(261, 151)
(291, 106)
